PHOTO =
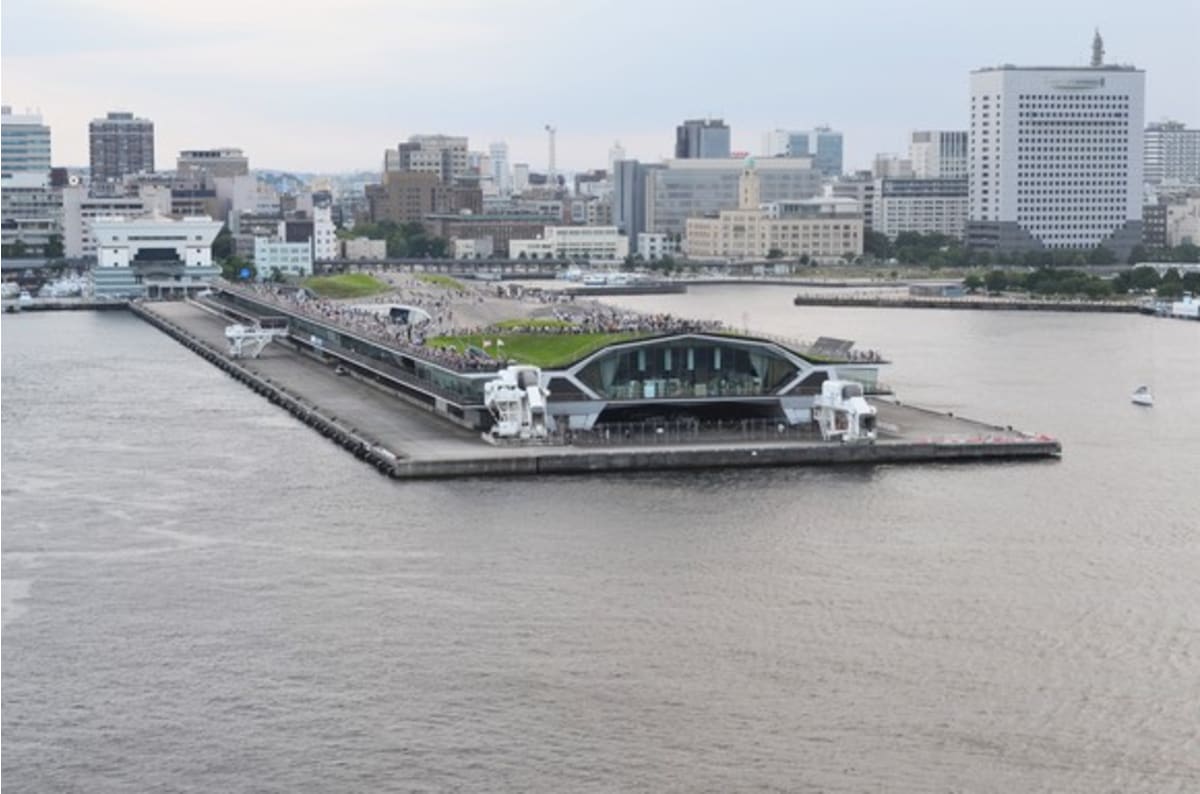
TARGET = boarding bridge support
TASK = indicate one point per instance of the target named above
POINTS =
(248, 341)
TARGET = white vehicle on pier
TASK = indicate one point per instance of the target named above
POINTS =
(843, 414)
(517, 402)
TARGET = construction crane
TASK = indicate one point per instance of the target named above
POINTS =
(551, 176)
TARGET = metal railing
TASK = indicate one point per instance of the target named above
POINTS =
(675, 432)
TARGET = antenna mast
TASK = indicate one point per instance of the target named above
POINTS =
(551, 175)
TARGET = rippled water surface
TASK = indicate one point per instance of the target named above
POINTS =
(201, 594)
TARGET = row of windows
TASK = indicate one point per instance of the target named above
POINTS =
(1124, 98)
(1066, 148)
(1074, 183)
(1049, 114)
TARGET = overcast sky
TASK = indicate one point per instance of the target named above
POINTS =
(328, 86)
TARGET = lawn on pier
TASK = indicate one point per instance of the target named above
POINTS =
(541, 350)
(346, 285)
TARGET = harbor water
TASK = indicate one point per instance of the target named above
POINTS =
(202, 594)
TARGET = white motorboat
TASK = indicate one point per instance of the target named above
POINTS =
(1142, 396)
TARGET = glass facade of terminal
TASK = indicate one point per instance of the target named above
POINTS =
(688, 368)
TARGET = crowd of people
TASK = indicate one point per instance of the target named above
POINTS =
(370, 318)
(599, 319)
(378, 326)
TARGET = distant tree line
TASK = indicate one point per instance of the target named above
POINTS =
(1046, 281)
(939, 250)
(403, 239)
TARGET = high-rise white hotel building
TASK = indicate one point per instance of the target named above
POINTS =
(1055, 158)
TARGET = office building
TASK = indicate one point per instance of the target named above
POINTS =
(26, 147)
(1056, 157)
(120, 144)
(324, 239)
(80, 211)
(500, 228)
(1183, 222)
(214, 162)
(823, 144)
(289, 258)
(1172, 154)
(520, 177)
(406, 197)
(629, 196)
(938, 154)
(1154, 225)
(615, 153)
(603, 243)
(892, 166)
(702, 139)
(924, 206)
(652, 247)
(31, 214)
(684, 189)
(445, 156)
(498, 161)
(363, 248)
(860, 187)
(466, 248)
(825, 229)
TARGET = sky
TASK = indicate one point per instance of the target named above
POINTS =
(327, 86)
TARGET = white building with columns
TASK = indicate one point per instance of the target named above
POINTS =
(153, 256)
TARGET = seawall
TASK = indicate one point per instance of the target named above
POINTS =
(1103, 307)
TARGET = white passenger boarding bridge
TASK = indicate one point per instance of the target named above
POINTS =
(249, 341)
(517, 402)
(843, 414)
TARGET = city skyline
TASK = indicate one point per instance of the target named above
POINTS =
(253, 85)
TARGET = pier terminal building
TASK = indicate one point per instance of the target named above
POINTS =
(689, 375)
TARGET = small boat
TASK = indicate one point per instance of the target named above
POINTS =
(1142, 396)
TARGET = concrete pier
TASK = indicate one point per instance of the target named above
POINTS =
(405, 441)
(979, 304)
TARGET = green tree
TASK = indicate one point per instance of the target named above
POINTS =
(1138, 253)
(1143, 278)
(222, 247)
(276, 275)
(1101, 256)
(1187, 253)
(54, 247)
(878, 245)
(232, 269)
(775, 253)
(996, 281)
(972, 283)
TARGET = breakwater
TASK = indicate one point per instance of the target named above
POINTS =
(981, 304)
(64, 305)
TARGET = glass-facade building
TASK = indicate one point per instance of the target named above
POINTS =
(26, 143)
(702, 139)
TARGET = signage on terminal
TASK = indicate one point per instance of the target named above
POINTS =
(1080, 84)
